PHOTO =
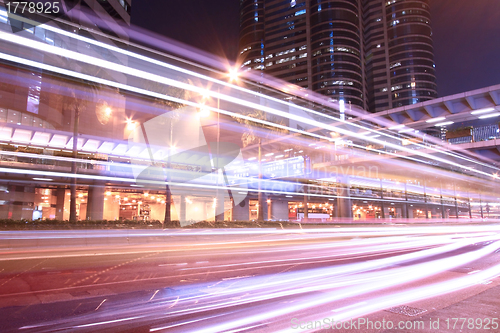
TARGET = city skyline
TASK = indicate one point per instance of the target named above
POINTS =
(462, 32)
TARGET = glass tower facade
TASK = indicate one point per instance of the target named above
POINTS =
(411, 60)
(374, 54)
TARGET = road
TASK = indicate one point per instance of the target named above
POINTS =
(234, 280)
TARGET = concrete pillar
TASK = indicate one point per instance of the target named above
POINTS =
(382, 204)
(470, 210)
(481, 206)
(241, 211)
(306, 203)
(60, 196)
(279, 210)
(404, 211)
(426, 204)
(406, 208)
(443, 213)
(182, 210)
(219, 205)
(386, 213)
(344, 204)
(95, 203)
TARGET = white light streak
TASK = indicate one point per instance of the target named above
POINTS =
(435, 120)
(481, 111)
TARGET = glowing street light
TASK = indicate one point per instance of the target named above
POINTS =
(203, 112)
(233, 74)
(130, 124)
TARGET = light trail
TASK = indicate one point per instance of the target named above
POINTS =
(157, 78)
(235, 280)
(230, 292)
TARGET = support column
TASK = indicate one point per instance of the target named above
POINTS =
(306, 202)
(60, 196)
(481, 206)
(95, 203)
(219, 205)
(344, 205)
(241, 211)
(406, 215)
(443, 213)
(425, 200)
(182, 210)
(382, 206)
(404, 211)
(265, 209)
(470, 210)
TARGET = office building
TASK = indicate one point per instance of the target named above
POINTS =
(374, 54)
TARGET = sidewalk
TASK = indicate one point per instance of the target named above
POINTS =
(479, 311)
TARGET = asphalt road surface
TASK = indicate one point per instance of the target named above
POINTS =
(234, 280)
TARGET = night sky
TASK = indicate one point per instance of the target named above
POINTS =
(466, 34)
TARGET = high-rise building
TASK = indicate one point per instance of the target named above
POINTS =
(109, 16)
(375, 54)
(399, 56)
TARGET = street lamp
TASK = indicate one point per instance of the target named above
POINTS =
(130, 124)
(203, 112)
(233, 74)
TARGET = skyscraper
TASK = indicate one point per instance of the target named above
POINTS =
(375, 54)
(109, 16)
